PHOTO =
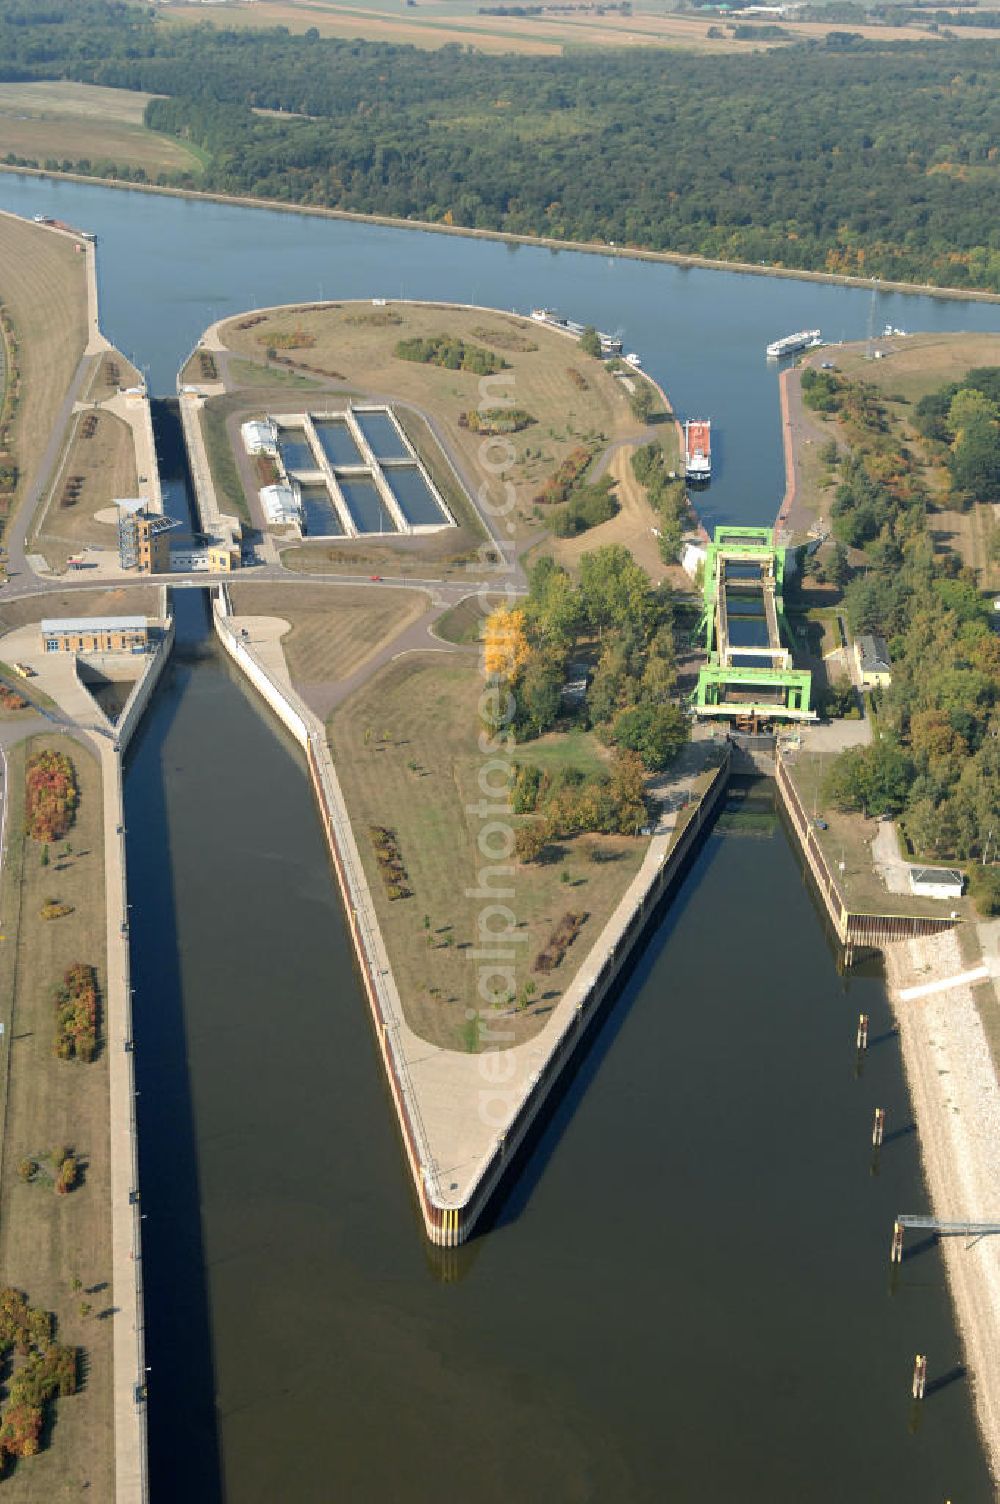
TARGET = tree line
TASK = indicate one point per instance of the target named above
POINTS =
(850, 156)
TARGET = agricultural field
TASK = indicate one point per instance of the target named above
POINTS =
(43, 288)
(571, 399)
(438, 23)
(911, 368)
(335, 629)
(47, 1242)
(405, 747)
(98, 465)
(69, 122)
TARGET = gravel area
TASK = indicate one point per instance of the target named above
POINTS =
(956, 1103)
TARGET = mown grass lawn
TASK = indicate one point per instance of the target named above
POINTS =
(406, 752)
(46, 1241)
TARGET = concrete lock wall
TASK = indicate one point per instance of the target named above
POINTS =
(135, 705)
(131, 1462)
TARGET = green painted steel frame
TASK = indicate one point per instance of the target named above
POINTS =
(747, 545)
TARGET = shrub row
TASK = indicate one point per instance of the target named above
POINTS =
(76, 1014)
(560, 940)
(496, 420)
(48, 1369)
(560, 484)
(390, 862)
(453, 354)
(296, 339)
(52, 796)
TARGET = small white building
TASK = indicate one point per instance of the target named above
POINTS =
(937, 882)
(260, 436)
(874, 664)
(282, 504)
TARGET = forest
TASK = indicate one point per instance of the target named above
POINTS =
(846, 156)
(936, 762)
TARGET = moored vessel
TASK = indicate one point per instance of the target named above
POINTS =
(698, 449)
(803, 339)
(611, 344)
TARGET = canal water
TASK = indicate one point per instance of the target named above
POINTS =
(686, 1295)
(167, 267)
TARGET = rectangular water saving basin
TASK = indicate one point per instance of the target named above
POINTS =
(417, 501)
(319, 515)
(369, 511)
(338, 442)
(382, 436)
(294, 450)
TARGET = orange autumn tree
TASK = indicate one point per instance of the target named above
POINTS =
(505, 643)
(52, 795)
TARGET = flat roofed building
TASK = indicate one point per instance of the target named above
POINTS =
(207, 558)
(282, 504)
(96, 634)
(937, 882)
(260, 436)
(874, 663)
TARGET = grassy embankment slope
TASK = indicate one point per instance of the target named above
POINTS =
(116, 600)
(63, 122)
(97, 465)
(572, 397)
(334, 629)
(43, 289)
(47, 1242)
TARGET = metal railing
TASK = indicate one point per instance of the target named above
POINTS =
(139, 1388)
